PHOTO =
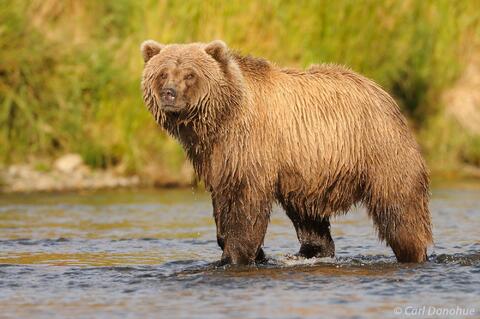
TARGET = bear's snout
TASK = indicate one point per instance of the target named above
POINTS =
(168, 96)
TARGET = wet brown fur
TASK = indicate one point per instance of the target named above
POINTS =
(316, 141)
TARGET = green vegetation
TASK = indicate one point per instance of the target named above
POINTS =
(70, 70)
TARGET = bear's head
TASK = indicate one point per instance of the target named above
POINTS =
(190, 82)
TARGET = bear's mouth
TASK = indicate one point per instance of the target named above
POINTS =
(171, 108)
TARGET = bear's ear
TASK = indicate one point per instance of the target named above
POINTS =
(218, 50)
(149, 49)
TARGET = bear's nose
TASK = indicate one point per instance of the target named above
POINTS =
(168, 95)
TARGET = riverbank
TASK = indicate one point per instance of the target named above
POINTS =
(70, 173)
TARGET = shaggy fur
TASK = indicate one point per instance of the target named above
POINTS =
(316, 141)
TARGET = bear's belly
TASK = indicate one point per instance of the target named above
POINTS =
(323, 194)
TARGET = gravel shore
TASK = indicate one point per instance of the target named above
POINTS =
(68, 173)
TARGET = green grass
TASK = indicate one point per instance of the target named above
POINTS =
(70, 70)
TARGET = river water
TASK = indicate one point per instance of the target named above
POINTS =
(151, 254)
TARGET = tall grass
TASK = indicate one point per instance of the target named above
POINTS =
(70, 70)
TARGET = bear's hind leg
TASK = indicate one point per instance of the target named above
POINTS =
(408, 231)
(313, 235)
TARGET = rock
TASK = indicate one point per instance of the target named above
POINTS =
(463, 99)
(44, 183)
(68, 163)
(19, 171)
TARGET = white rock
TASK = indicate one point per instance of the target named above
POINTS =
(68, 163)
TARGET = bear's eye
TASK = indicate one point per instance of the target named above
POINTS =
(189, 76)
(163, 75)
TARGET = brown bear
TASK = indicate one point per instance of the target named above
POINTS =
(316, 141)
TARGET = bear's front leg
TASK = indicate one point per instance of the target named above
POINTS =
(315, 239)
(221, 236)
(313, 233)
(241, 227)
